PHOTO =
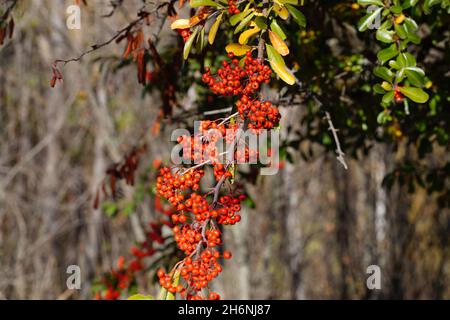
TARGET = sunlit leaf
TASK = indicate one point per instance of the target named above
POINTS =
(297, 15)
(202, 3)
(415, 94)
(385, 36)
(415, 78)
(180, 24)
(387, 54)
(235, 19)
(278, 65)
(238, 49)
(188, 44)
(294, 2)
(243, 38)
(213, 31)
(275, 27)
(281, 11)
(383, 73)
(371, 2)
(244, 22)
(278, 43)
(388, 97)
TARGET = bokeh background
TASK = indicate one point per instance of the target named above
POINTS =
(314, 227)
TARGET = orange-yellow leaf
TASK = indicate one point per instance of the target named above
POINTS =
(213, 31)
(281, 11)
(282, 72)
(278, 43)
(243, 38)
(238, 49)
(181, 24)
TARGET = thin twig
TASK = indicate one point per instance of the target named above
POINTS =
(339, 152)
(143, 16)
(8, 10)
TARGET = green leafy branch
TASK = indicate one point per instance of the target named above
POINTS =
(402, 79)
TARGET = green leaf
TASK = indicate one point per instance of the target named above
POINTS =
(279, 66)
(371, 2)
(188, 44)
(275, 27)
(294, 2)
(387, 54)
(396, 9)
(411, 25)
(383, 117)
(409, 3)
(377, 88)
(200, 42)
(415, 78)
(259, 21)
(414, 38)
(410, 60)
(385, 36)
(140, 297)
(297, 15)
(388, 97)
(406, 59)
(394, 64)
(400, 30)
(415, 94)
(203, 3)
(368, 19)
(273, 55)
(383, 73)
(162, 294)
(244, 22)
(234, 19)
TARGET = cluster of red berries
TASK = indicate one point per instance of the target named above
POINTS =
(212, 296)
(220, 170)
(213, 238)
(200, 271)
(195, 218)
(185, 33)
(203, 147)
(200, 148)
(398, 96)
(234, 80)
(262, 115)
(165, 280)
(230, 206)
(169, 185)
(232, 7)
(187, 238)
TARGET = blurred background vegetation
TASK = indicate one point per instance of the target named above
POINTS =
(308, 232)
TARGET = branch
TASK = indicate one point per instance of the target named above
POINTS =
(334, 131)
(8, 10)
(142, 16)
(262, 42)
